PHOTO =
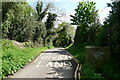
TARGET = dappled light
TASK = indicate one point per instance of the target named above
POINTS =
(60, 39)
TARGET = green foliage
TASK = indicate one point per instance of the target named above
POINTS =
(88, 71)
(14, 58)
(101, 37)
(41, 12)
(43, 32)
(77, 51)
(111, 69)
(24, 24)
(90, 32)
(106, 35)
(86, 18)
(50, 21)
(113, 28)
(17, 24)
(6, 6)
(109, 34)
(49, 39)
(39, 42)
(84, 13)
(40, 30)
(49, 24)
(28, 44)
(65, 35)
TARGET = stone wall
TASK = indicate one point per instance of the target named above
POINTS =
(97, 55)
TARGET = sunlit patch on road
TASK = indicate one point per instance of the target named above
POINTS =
(61, 57)
(58, 64)
(57, 61)
(54, 63)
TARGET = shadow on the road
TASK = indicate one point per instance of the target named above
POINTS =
(58, 52)
(64, 71)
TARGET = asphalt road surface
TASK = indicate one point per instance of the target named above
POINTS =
(55, 63)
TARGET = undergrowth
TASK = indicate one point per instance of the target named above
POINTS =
(88, 71)
(14, 58)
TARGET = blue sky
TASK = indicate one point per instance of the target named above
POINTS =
(68, 6)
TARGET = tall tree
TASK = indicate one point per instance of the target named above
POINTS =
(109, 35)
(6, 6)
(17, 25)
(65, 35)
(49, 24)
(41, 12)
(85, 16)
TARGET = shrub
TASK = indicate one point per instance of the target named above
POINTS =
(28, 44)
(77, 51)
(88, 71)
(111, 69)
(14, 58)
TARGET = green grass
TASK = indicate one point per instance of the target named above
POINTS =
(88, 71)
(0, 61)
(14, 58)
(111, 69)
(77, 51)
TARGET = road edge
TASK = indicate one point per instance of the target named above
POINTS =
(78, 68)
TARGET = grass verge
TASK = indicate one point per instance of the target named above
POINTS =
(14, 58)
(88, 71)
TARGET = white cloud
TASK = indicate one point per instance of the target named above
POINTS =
(66, 18)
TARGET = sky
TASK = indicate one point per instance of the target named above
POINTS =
(69, 6)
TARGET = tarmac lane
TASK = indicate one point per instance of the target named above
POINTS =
(55, 63)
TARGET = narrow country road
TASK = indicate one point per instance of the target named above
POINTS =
(53, 63)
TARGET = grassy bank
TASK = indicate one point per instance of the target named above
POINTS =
(14, 58)
(88, 71)
(77, 51)
(110, 70)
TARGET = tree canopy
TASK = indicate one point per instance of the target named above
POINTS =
(23, 23)
(86, 19)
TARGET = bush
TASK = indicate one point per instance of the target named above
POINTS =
(88, 71)
(77, 51)
(50, 47)
(14, 58)
(111, 69)
(28, 44)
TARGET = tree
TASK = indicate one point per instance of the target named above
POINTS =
(47, 29)
(85, 16)
(17, 24)
(50, 22)
(65, 35)
(7, 12)
(40, 31)
(41, 12)
(6, 6)
(109, 35)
